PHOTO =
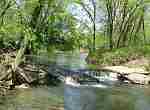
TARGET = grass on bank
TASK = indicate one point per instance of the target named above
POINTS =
(105, 57)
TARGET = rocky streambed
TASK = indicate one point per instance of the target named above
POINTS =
(131, 75)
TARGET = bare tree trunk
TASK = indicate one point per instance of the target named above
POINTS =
(143, 23)
(122, 21)
(94, 24)
(92, 17)
(126, 23)
(110, 22)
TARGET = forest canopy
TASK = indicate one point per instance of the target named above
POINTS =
(71, 24)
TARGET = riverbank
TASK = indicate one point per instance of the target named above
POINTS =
(122, 56)
(41, 98)
(31, 72)
(35, 88)
(132, 61)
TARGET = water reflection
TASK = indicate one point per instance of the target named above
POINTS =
(112, 98)
(79, 98)
(122, 98)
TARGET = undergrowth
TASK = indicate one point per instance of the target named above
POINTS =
(118, 56)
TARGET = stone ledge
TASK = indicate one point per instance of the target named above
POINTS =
(126, 70)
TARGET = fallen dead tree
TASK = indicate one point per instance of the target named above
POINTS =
(25, 72)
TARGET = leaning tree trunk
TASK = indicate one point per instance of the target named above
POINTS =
(19, 58)
(16, 63)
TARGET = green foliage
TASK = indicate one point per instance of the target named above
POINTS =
(48, 23)
(118, 56)
(44, 22)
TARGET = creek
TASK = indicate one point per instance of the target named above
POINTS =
(111, 97)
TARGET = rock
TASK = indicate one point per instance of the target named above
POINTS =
(125, 70)
(139, 78)
(23, 86)
(132, 75)
(113, 76)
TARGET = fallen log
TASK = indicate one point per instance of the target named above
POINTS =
(5, 76)
(21, 72)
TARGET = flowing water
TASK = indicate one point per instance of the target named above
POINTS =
(108, 97)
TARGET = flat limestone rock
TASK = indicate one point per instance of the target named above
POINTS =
(139, 78)
(125, 70)
(135, 75)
